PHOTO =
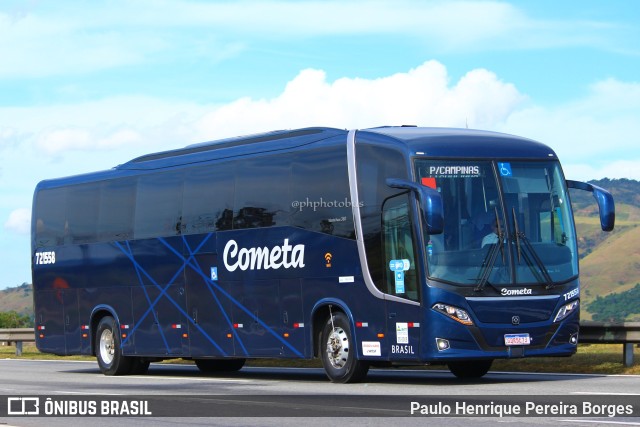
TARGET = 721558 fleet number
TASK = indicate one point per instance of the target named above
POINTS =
(47, 257)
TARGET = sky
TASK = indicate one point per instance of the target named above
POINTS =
(87, 85)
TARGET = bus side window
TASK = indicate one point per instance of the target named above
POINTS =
(397, 243)
(262, 192)
(51, 215)
(117, 206)
(319, 199)
(208, 198)
(159, 205)
(83, 204)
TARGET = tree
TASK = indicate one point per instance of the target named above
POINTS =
(11, 319)
(616, 307)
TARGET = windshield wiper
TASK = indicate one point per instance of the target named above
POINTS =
(520, 236)
(490, 258)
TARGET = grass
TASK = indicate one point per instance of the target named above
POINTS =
(590, 359)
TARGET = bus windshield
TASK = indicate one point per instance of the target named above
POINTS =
(505, 223)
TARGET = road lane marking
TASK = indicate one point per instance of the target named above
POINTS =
(88, 393)
(624, 423)
(163, 378)
(601, 393)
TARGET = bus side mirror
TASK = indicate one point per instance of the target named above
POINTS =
(430, 203)
(605, 202)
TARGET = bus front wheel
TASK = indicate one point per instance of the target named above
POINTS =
(470, 369)
(109, 349)
(338, 352)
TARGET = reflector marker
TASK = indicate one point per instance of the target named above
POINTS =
(238, 325)
(41, 328)
(413, 324)
(362, 324)
(124, 326)
(176, 326)
(298, 325)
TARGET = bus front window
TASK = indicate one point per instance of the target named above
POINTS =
(539, 215)
(514, 231)
(472, 216)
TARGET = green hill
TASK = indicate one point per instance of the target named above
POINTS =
(18, 299)
(610, 262)
(613, 266)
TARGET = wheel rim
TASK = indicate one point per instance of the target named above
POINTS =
(338, 348)
(106, 346)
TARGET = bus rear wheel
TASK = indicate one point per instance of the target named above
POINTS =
(109, 349)
(470, 369)
(338, 352)
(219, 365)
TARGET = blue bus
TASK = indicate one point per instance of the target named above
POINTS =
(368, 248)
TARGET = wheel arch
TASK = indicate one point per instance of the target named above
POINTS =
(97, 314)
(320, 313)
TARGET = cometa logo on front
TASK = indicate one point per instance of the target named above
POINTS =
(285, 256)
(515, 292)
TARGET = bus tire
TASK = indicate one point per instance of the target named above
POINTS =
(219, 365)
(109, 349)
(470, 369)
(338, 352)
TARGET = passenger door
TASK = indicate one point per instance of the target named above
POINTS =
(401, 278)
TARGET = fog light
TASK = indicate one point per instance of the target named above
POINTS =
(442, 344)
(574, 339)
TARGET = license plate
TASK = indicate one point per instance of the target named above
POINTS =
(517, 339)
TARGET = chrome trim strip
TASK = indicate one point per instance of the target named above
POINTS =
(537, 297)
(355, 209)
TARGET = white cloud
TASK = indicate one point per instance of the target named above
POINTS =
(421, 96)
(66, 139)
(591, 134)
(597, 134)
(125, 123)
(134, 124)
(19, 221)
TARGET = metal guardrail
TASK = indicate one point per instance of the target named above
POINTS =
(18, 336)
(627, 333)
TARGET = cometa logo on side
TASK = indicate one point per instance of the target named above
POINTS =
(264, 258)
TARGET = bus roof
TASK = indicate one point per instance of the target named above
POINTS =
(452, 142)
(433, 142)
(414, 141)
(231, 147)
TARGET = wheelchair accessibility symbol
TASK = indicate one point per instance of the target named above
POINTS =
(505, 169)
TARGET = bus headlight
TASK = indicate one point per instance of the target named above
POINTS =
(566, 310)
(455, 313)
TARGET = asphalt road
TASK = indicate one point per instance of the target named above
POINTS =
(282, 396)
